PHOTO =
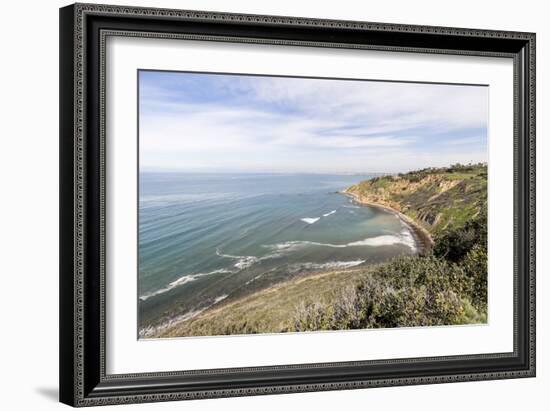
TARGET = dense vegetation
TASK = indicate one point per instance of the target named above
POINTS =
(437, 198)
(447, 286)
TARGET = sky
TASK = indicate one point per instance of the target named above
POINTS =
(201, 122)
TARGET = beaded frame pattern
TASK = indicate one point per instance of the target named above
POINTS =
(80, 12)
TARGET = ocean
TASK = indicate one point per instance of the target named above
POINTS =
(205, 238)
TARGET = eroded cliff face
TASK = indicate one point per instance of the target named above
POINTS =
(436, 198)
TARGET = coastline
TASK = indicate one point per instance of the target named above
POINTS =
(269, 296)
(269, 310)
(422, 237)
(167, 328)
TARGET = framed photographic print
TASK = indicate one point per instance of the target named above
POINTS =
(261, 204)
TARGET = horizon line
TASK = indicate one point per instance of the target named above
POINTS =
(363, 172)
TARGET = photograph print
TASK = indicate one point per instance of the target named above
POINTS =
(274, 204)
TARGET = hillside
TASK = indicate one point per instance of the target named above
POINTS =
(437, 198)
(270, 310)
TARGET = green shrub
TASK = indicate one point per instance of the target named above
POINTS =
(409, 291)
(454, 244)
(475, 267)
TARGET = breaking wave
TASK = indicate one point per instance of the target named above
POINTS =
(242, 261)
(181, 281)
(151, 330)
(310, 220)
(404, 238)
(327, 265)
(313, 220)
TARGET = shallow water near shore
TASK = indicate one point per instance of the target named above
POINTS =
(206, 238)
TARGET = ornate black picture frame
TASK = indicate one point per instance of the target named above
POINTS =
(83, 31)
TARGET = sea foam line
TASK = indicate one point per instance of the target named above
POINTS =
(404, 237)
(313, 220)
(327, 265)
(181, 281)
(243, 261)
(151, 330)
(309, 220)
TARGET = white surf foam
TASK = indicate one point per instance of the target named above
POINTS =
(327, 265)
(379, 241)
(288, 246)
(243, 261)
(254, 279)
(220, 298)
(313, 220)
(310, 220)
(404, 238)
(151, 330)
(154, 329)
(181, 281)
(408, 238)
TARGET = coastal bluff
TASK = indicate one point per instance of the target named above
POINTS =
(434, 198)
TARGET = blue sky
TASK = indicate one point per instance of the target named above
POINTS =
(237, 123)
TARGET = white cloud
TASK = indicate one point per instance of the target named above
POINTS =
(299, 125)
(409, 103)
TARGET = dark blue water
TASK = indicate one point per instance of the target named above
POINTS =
(204, 238)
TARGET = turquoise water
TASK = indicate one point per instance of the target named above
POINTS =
(204, 238)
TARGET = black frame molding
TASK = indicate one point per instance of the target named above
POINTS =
(84, 29)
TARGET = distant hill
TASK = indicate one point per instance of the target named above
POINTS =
(437, 198)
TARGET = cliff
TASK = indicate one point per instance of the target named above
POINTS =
(436, 198)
